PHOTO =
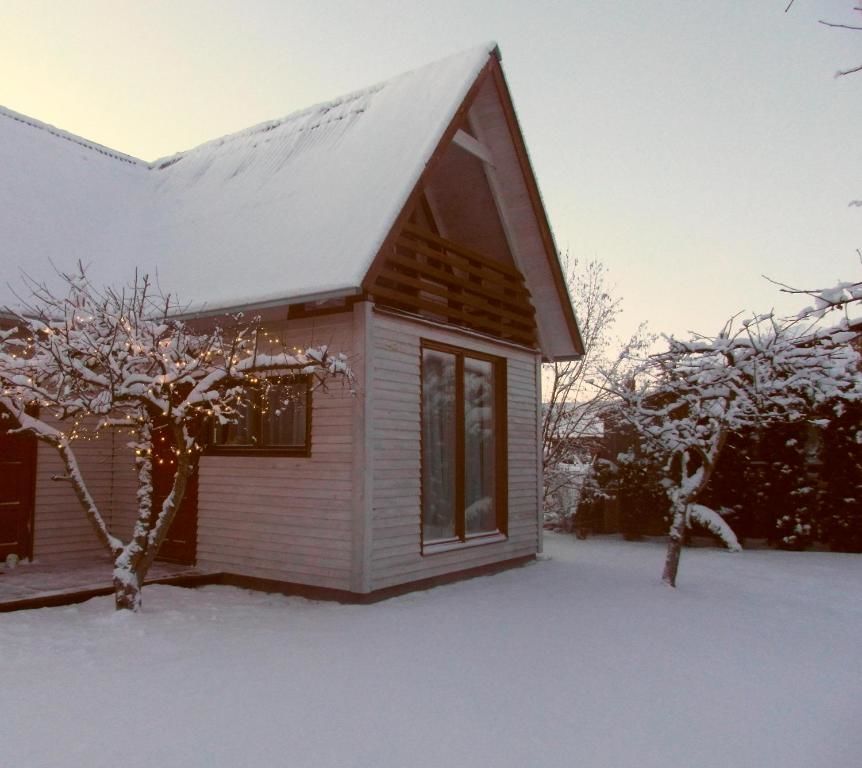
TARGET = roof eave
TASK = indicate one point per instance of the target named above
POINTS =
(542, 221)
(205, 311)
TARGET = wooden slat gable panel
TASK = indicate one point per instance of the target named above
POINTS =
(466, 254)
(425, 274)
(510, 303)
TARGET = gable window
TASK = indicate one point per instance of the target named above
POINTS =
(274, 418)
(463, 445)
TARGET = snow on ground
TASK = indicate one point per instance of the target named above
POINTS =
(581, 660)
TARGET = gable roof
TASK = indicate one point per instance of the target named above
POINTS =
(291, 209)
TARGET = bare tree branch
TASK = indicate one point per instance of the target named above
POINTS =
(572, 402)
(839, 26)
(842, 72)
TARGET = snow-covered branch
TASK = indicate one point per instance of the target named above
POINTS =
(683, 403)
(95, 359)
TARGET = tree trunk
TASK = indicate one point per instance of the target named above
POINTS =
(162, 518)
(151, 527)
(690, 486)
(674, 545)
(127, 590)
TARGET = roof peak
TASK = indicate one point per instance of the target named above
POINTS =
(490, 48)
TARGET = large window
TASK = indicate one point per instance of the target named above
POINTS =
(274, 418)
(463, 445)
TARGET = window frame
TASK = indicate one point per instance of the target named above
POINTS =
(500, 417)
(214, 448)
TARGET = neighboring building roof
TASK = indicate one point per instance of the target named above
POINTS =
(291, 209)
(577, 420)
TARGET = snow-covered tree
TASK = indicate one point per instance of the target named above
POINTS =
(686, 401)
(92, 359)
(842, 298)
(840, 498)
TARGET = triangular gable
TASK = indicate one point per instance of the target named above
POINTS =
(485, 127)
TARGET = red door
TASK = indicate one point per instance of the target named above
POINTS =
(17, 492)
(180, 545)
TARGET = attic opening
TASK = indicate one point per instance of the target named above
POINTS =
(451, 261)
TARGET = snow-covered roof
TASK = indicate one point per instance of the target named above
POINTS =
(296, 207)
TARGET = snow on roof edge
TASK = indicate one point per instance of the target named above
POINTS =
(490, 47)
(273, 301)
(11, 114)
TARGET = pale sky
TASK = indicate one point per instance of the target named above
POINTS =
(691, 146)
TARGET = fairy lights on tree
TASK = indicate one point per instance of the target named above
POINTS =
(95, 359)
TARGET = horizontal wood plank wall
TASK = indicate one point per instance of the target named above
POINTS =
(61, 530)
(288, 518)
(395, 424)
(124, 487)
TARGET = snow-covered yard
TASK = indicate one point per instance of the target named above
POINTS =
(581, 660)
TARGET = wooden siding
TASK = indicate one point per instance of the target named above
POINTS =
(288, 518)
(61, 529)
(438, 279)
(396, 556)
(124, 488)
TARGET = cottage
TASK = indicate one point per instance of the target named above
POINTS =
(401, 224)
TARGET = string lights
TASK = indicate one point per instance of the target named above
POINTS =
(116, 361)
